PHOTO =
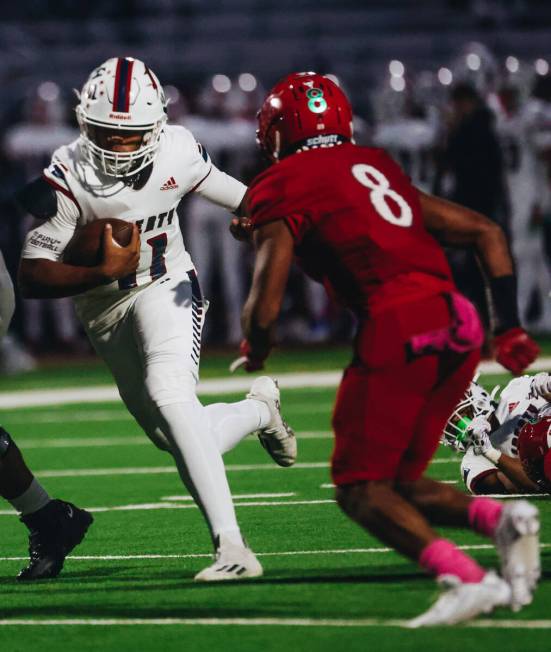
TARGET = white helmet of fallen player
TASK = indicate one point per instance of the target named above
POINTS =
(122, 97)
(476, 402)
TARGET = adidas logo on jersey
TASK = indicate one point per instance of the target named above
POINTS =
(170, 184)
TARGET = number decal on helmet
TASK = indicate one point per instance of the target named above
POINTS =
(316, 101)
(381, 191)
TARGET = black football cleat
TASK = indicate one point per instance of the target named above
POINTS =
(54, 531)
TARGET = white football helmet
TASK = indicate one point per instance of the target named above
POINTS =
(122, 95)
(475, 402)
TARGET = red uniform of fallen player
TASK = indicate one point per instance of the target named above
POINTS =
(355, 223)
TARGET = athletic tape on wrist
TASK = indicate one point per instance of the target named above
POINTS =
(492, 455)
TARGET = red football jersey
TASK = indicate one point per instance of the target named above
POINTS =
(357, 225)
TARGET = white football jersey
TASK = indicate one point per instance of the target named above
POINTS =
(521, 137)
(410, 142)
(84, 194)
(517, 404)
(7, 298)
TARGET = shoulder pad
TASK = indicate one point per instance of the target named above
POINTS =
(37, 198)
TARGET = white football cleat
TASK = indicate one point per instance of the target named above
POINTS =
(233, 562)
(517, 542)
(463, 601)
(277, 437)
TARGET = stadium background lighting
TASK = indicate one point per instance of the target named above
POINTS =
(512, 64)
(48, 91)
(445, 76)
(247, 82)
(221, 83)
(396, 68)
(473, 61)
(541, 66)
(397, 84)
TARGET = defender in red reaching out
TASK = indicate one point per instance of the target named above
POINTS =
(354, 222)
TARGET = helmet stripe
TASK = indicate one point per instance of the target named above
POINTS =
(123, 80)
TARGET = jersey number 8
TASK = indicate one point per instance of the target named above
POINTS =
(381, 191)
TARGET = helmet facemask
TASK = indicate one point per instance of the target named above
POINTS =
(476, 402)
(112, 163)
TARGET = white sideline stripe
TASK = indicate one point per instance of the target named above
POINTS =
(142, 507)
(154, 470)
(109, 393)
(283, 553)
(93, 442)
(329, 485)
(234, 496)
(83, 442)
(265, 622)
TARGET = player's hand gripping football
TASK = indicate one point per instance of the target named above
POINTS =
(247, 360)
(515, 350)
(118, 261)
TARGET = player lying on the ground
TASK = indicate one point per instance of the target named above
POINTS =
(141, 304)
(55, 527)
(356, 224)
(488, 432)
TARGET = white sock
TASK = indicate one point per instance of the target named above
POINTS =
(233, 536)
(200, 463)
(232, 422)
(31, 500)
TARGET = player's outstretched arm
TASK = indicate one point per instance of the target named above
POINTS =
(40, 278)
(274, 255)
(453, 224)
(512, 469)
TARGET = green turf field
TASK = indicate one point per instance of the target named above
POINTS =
(327, 584)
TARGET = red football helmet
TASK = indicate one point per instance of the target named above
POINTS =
(533, 445)
(305, 109)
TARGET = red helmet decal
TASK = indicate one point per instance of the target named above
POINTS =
(303, 109)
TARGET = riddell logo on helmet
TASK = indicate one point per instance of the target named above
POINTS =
(120, 116)
(330, 139)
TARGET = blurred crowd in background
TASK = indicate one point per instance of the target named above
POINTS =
(471, 123)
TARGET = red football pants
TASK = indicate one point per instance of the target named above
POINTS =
(392, 407)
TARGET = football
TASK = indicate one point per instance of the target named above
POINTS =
(85, 247)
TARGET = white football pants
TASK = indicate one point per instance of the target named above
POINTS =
(153, 354)
(7, 298)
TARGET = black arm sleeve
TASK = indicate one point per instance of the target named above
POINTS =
(504, 296)
(37, 198)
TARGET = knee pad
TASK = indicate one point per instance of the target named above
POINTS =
(5, 442)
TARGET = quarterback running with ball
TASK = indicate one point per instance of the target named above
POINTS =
(356, 224)
(142, 306)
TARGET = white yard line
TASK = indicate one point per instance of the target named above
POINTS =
(142, 440)
(109, 393)
(282, 553)
(145, 507)
(263, 622)
(155, 470)
(234, 496)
